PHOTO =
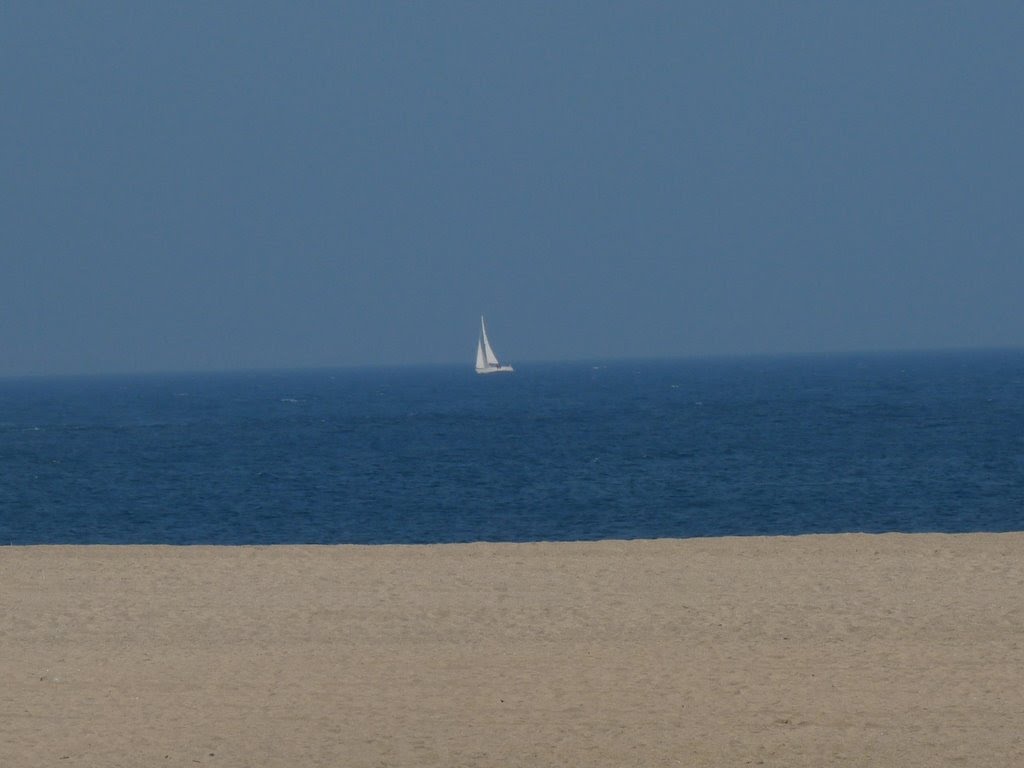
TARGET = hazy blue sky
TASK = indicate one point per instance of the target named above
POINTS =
(255, 184)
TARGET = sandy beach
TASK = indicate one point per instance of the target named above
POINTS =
(901, 650)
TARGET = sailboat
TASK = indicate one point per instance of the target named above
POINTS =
(486, 360)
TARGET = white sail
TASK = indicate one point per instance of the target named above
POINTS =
(486, 360)
(489, 355)
(481, 361)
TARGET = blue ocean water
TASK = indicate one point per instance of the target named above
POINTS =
(913, 442)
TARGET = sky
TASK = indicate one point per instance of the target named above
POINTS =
(214, 186)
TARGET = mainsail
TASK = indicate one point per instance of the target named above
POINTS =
(481, 360)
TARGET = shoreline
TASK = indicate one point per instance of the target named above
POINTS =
(509, 543)
(817, 649)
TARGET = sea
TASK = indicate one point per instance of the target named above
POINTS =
(553, 452)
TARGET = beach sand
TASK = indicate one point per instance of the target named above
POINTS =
(893, 650)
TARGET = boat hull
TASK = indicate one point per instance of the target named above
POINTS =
(495, 369)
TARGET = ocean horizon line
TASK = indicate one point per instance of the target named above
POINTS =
(523, 364)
